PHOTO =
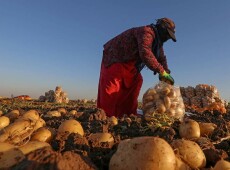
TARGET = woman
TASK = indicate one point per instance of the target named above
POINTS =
(124, 57)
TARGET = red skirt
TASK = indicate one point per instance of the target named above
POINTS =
(119, 88)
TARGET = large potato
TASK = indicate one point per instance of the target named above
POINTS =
(9, 155)
(189, 129)
(190, 152)
(143, 153)
(71, 126)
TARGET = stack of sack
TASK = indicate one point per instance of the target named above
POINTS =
(57, 96)
(203, 97)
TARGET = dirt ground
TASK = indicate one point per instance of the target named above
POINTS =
(72, 151)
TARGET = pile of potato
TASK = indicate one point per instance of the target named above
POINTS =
(22, 133)
(21, 128)
(184, 153)
(163, 99)
(57, 96)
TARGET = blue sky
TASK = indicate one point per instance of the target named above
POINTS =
(46, 43)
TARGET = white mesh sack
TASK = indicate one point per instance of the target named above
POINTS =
(163, 99)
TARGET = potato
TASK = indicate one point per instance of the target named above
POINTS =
(36, 123)
(9, 155)
(165, 91)
(143, 153)
(180, 165)
(32, 146)
(179, 113)
(148, 104)
(170, 112)
(173, 105)
(147, 99)
(39, 123)
(190, 152)
(3, 136)
(18, 126)
(71, 126)
(156, 97)
(73, 112)
(206, 129)
(31, 114)
(222, 165)
(62, 111)
(113, 120)
(167, 102)
(1, 113)
(160, 106)
(151, 92)
(4, 121)
(148, 95)
(150, 111)
(79, 114)
(14, 114)
(54, 113)
(101, 137)
(128, 120)
(189, 129)
(17, 131)
(42, 134)
(172, 94)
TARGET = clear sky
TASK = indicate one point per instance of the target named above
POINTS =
(45, 43)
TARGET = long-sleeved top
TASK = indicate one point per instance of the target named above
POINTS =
(136, 44)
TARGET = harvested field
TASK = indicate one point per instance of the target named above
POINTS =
(74, 151)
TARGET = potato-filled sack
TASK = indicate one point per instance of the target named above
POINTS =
(163, 98)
